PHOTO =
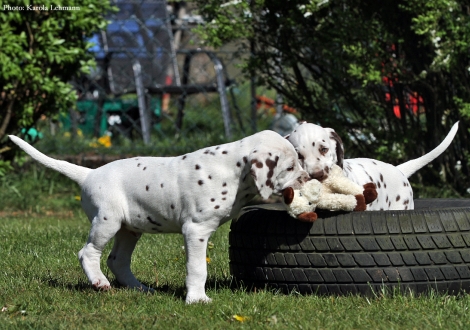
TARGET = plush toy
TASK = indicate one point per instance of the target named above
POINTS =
(336, 193)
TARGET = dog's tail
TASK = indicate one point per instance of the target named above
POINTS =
(411, 166)
(74, 172)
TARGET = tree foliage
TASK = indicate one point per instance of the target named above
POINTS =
(41, 50)
(390, 76)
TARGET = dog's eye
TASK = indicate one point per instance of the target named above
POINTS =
(290, 168)
(323, 150)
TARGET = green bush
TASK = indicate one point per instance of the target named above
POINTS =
(41, 50)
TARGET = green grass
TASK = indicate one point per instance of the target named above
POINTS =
(42, 286)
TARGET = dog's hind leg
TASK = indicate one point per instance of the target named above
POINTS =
(102, 230)
(119, 260)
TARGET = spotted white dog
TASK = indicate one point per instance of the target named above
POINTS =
(319, 148)
(191, 194)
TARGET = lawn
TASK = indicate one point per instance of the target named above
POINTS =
(42, 286)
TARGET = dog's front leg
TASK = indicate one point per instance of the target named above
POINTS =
(196, 236)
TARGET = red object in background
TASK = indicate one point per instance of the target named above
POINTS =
(413, 101)
(166, 96)
(266, 103)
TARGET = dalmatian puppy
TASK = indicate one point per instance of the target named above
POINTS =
(319, 148)
(192, 194)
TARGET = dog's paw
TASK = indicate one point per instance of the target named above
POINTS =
(360, 203)
(101, 284)
(195, 299)
(307, 217)
(370, 192)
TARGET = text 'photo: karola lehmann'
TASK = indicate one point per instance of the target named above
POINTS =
(39, 8)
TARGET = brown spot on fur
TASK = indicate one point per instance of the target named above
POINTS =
(269, 183)
(398, 198)
(257, 163)
(339, 151)
(271, 164)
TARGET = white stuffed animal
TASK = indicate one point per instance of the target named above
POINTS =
(336, 193)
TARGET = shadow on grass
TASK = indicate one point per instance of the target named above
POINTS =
(178, 292)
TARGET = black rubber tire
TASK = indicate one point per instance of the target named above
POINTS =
(359, 253)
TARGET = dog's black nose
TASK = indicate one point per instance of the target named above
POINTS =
(319, 175)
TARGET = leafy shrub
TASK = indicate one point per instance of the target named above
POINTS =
(41, 50)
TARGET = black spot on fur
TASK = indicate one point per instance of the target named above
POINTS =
(224, 192)
(104, 218)
(172, 206)
(161, 185)
(212, 199)
(138, 165)
(144, 168)
(201, 240)
(184, 157)
(313, 144)
(224, 184)
(239, 164)
(398, 198)
(147, 188)
(245, 159)
(216, 207)
(210, 177)
(153, 222)
(225, 152)
(381, 177)
(197, 167)
(200, 182)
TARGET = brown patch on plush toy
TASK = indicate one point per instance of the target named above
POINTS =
(360, 203)
(288, 195)
(370, 192)
(307, 216)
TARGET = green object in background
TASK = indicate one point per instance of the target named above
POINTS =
(31, 135)
(88, 110)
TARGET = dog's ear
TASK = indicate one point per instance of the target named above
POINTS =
(288, 195)
(264, 171)
(338, 155)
